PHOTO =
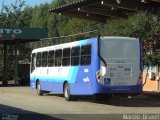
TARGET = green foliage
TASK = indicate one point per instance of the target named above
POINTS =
(15, 15)
(39, 16)
(144, 26)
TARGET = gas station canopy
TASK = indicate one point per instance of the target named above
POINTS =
(13, 36)
(10, 35)
(101, 10)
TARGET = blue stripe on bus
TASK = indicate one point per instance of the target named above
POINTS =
(118, 89)
(70, 78)
(72, 74)
(87, 41)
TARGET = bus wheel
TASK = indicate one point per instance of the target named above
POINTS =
(39, 91)
(66, 93)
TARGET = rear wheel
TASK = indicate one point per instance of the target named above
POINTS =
(39, 91)
(67, 93)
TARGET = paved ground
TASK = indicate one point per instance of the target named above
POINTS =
(24, 103)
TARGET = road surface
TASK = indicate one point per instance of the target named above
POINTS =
(22, 103)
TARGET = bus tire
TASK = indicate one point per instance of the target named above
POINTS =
(39, 91)
(67, 94)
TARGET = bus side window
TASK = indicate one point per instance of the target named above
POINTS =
(86, 55)
(51, 58)
(44, 59)
(66, 57)
(75, 56)
(58, 57)
(38, 58)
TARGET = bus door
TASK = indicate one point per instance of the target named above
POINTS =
(33, 70)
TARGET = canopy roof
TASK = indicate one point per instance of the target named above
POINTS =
(101, 10)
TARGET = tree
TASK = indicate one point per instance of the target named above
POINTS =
(144, 26)
(78, 26)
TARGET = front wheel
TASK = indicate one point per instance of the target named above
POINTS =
(67, 93)
(39, 91)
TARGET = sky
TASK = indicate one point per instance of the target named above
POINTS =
(27, 2)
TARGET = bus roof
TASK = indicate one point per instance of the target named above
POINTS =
(80, 42)
(65, 45)
(118, 37)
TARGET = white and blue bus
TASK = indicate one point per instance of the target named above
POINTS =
(99, 66)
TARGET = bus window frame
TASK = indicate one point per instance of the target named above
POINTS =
(51, 59)
(75, 56)
(58, 60)
(85, 56)
(44, 61)
(38, 59)
(66, 57)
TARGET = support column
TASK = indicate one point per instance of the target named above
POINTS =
(158, 78)
(4, 81)
(16, 64)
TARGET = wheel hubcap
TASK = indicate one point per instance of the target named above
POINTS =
(38, 88)
(66, 92)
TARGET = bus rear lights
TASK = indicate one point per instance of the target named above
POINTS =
(99, 78)
(100, 81)
(98, 75)
(140, 78)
